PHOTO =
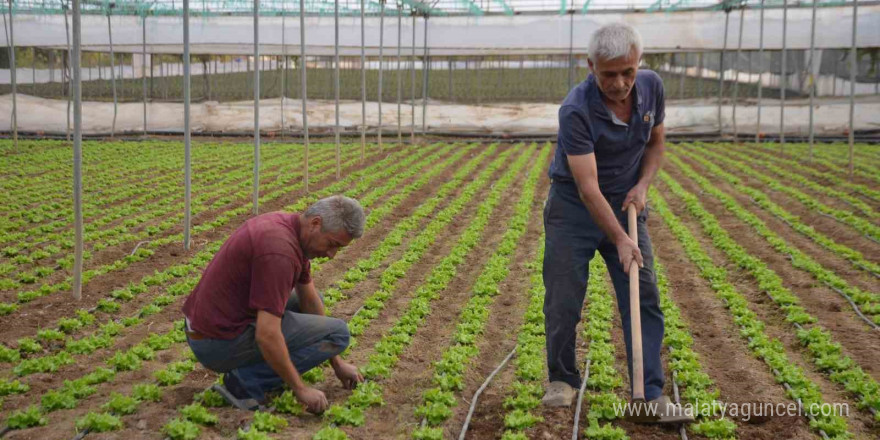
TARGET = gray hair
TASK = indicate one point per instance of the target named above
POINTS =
(339, 212)
(614, 40)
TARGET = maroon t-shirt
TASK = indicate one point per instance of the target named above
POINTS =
(255, 269)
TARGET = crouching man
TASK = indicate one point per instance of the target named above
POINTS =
(610, 147)
(244, 320)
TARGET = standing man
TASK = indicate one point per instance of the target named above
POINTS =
(243, 320)
(610, 147)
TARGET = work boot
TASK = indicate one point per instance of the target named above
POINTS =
(235, 394)
(660, 410)
(559, 394)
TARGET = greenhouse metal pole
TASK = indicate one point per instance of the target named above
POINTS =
(412, 74)
(736, 75)
(381, 53)
(721, 71)
(336, 72)
(304, 94)
(681, 79)
(12, 69)
(144, 67)
(284, 65)
(399, 75)
(427, 68)
(363, 86)
(112, 75)
(853, 65)
(256, 108)
(570, 48)
(760, 76)
(782, 79)
(76, 91)
(68, 73)
(812, 74)
(187, 139)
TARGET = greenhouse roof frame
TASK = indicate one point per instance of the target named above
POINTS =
(203, 8)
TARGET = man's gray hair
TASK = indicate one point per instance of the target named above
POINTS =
(339, 212)
(614, 40)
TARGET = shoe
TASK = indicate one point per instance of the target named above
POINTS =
(559, 394)
(660, 410)
(235, 394)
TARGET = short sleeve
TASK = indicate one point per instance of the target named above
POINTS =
(272, 278)
(575, 136)
(305, 275)
(660, 103)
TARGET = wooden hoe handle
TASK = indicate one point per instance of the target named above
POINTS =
(635, 314)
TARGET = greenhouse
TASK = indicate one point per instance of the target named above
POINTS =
(443, 173)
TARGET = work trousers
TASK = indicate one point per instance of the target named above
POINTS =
(572, 239)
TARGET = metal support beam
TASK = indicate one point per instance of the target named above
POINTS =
(853, 66)
(256, 190)
(812, 76)
(305, 96)
(187, 139)
(144, 68)
(112, 75)
(12, 69)
(68, 72)
(760, 75)
(412, 72)
(427, 69)
(721, 73)
(284, 65)
(336, 74)
(783, 80)
(381, 56)
(363, 92)
(399, 73)
(77, 154)
(737, 69)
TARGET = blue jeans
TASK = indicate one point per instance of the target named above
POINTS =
(572, 239)
(311, 340)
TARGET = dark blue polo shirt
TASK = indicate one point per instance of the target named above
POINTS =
(586, 125)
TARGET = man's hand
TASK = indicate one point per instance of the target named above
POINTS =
(314, 400)
(628, 251)
(638, 196)
(348, 374)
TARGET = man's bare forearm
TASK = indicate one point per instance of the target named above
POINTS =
(274, 351)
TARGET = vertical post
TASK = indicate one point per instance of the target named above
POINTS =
(760, 75)
(812, 76)
(739, 44)
(76, 91)
(305, 95)
(256, 107)
(112, 74)
(336, 73)
(12, 68)
(187, 140)
(144, 67)
(381, 53)
(363, 86)
(427, 69)
(399, 73)
(34, 70)
(700, 76)
(68, 68)
(783, 80)
(721, 71)
(412, 73)
(681, 79)
(570, 49)
(284, 65)
(450, 65)
(853, 66)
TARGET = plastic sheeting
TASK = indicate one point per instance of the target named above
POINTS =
(44, 116)
(520, 34)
